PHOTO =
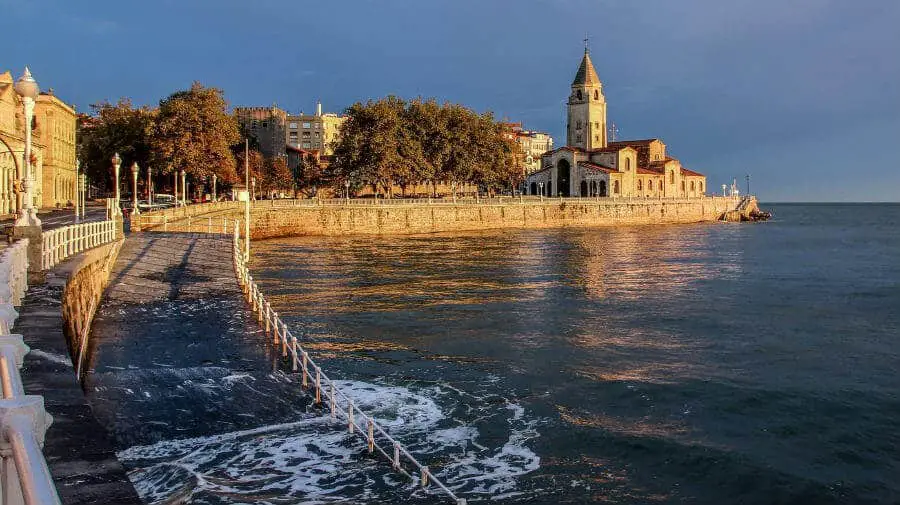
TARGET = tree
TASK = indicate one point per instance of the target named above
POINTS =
(194, 133)
(310, 174)
(114, 128)
(277, 175)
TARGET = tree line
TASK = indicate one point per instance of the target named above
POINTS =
(392, 141)
(190, 130)
(384, 143)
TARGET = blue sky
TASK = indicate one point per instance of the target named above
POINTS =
(802, 95)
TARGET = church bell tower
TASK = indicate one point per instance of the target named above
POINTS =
(586, 125)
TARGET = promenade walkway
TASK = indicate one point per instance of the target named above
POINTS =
(78, 450)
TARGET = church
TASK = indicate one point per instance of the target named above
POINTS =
(591, 166)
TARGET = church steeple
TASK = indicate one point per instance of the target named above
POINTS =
(586, 127)
(586, 75)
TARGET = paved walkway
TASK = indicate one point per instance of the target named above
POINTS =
(79, 451)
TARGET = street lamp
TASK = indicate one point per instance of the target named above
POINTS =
(214, 178)
(253, 185)
(77, 190)
(134, 175)
(347, 190)
(117, 162)
(183, 188)
(541, 185)
(82, 192)
(724, 187)
(27, 88)
(149, 186)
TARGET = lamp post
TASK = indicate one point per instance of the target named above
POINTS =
(135, 170)
(175, 185)
(149, 186)
(77, 190)
(214, 178)
(117, 162)
(27, 88)
(82, 192)
(347, 190)
(541, 185)
(253, 185)
(183, 188)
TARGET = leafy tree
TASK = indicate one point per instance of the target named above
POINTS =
(194, 133)
(277, 175)
(310, 174)
(114, 128)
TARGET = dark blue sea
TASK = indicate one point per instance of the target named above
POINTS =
(706, 363)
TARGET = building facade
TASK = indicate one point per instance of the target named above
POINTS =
(533, 145)
(267, 125)
(56, 124)
(12, 148)
(589, 165)
(314, 132)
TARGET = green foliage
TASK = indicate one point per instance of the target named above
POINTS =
(391, 141)
(194, 133)
(114, 128)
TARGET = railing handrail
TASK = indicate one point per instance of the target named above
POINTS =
(60, 243)
(23, 419)
(312, 373)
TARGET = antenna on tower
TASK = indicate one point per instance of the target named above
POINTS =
(613, 132)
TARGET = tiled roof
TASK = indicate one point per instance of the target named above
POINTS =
(685, 171)
(586, 75)
(631, 142)
(648, 171)
(594, 166)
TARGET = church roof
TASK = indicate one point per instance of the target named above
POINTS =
(594, 166)
(586, 75)
(632, 142)
(685, 171)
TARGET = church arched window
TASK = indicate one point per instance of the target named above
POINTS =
(671, 177)
(578, 94)
(627, 164)
(616, 187)
(682, 185)
(701, 186)
(640, 185)
(650, 184)
(692, 186)
(596, 95)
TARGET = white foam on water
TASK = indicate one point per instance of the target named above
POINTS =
(315, 459)
(51, 356)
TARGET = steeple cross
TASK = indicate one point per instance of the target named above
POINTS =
(586, 40)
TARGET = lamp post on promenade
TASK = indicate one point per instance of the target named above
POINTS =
(214, 179)
(117, 162)
(347, 190)
(77, 189)
(82, 192)
(134, 176)
(175, 185)
(183, 188)
(149, 186)
(27, 88)
(253, 185)
(541, 186)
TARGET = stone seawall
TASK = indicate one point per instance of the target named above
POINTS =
(85, 279)
(298, 218)
(402, 219)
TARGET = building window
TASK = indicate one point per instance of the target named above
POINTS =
(671, 177)
(650, 184)
(682, 185)
(294, 126)
(596, 95)
(701, 186)
(692, 186)
(306, 125)
(616, 187)
(265, 124)
(640, 185)
(627, 164)
(578, 94)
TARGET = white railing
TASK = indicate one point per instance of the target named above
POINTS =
(208, 224)
(13, 282)
(23, 420)
(323, 388)
(60, 243)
